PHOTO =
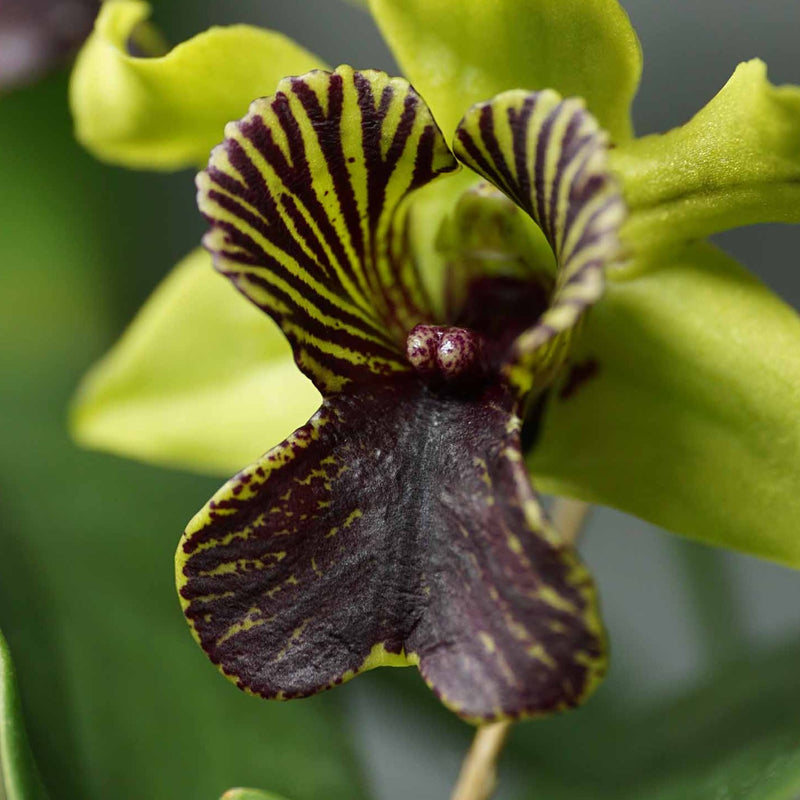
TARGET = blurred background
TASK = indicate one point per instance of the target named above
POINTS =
(120, 702)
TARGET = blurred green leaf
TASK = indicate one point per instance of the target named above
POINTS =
(734, 737)
(120, 701)
(19, 778)
(249, 794)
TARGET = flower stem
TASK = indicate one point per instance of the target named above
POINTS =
(478, 776)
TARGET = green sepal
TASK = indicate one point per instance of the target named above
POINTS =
(19, 777)
(200, 380)
(681, 407)
(168, 112)
(737, 162)
(457, 55)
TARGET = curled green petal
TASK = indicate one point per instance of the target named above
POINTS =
(19, 777)
(550, 157)
(681, 407)
(735, 163)
(168, 112)
(200, 380)
(457, 54)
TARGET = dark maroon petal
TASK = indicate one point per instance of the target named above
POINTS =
(400, 521)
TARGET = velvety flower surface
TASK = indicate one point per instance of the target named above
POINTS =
(399, 524)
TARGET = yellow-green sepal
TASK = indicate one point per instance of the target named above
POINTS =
(201, 380)
(19, 777)
(682, 407)
(168, 112)
(737, 162)
(460, 54)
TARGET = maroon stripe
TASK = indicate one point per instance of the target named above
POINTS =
(570, 148)
(302, 186)
(329, 138)
(302, 318)
(519, 122)
(479, 163)
(501, 169)
(543, 143)
(302, 288)
(296, 177)
(371, 138)
(275, 233)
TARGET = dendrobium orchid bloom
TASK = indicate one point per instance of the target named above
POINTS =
(434, 312)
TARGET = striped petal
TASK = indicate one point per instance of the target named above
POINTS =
(550, 156)
(396, 527)
(305, 200)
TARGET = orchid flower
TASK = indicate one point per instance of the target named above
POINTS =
(559, 278)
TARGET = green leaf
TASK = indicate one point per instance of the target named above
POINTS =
(682, 408)
(168, 112)
(249, 794)
(200, 380)
(735, 163)
(459, 54)
(19, 777)
(735, 735)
